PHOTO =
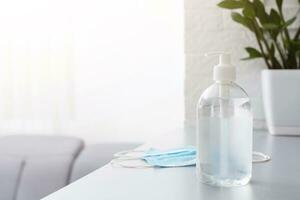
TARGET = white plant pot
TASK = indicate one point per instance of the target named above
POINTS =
(281, 97)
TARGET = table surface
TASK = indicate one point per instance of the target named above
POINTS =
(275, 180)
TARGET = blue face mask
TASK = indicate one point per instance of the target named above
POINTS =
(180, 157)
(172, 158)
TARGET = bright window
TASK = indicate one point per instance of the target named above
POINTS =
(101, 70)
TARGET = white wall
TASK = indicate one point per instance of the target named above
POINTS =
(209, 28)
(115, 68)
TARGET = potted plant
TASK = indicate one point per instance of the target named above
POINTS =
(279, 46)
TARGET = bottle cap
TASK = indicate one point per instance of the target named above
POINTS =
(224, 71)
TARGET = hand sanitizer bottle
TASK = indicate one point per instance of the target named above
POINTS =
(224, 130)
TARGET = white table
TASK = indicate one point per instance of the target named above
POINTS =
(277, 179)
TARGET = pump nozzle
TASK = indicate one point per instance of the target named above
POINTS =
(224, 71)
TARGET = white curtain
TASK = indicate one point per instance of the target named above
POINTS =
(36, 72)
(97, 69)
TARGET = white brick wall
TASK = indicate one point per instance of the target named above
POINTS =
(209, 28)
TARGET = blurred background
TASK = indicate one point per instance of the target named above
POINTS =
(80, 81)
(98, 70)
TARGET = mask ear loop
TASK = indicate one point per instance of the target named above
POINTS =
(258, 157)
(126, 156)
(121, 162)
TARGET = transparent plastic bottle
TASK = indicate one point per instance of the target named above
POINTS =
(224, 131)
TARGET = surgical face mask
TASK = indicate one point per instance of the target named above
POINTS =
(155, 158)
(180, 157)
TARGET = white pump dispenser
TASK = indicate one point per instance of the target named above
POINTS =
(224, 129)
(224, 71)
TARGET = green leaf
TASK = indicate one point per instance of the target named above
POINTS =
(289, 22)
(249, 11)
(231, 4)
(253, 53)
(260, 11)
(279, 4)
(275, 17)
(237, 17)
(295, 44)
(270, 26)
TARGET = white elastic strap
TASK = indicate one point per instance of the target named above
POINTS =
(121, 162)
(258, 157)
(129, 154)
(129, 159)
